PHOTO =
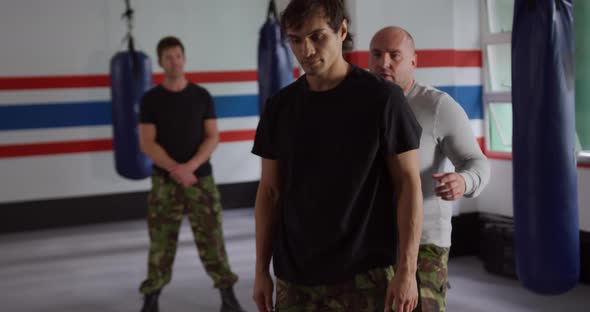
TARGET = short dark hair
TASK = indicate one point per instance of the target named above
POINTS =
(167, 43)
(298, 11)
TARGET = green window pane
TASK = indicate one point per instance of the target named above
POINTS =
(498, 67)
(500, 122)
(500, 14)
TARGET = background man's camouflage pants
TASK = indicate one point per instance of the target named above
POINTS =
(168, 202)
(433, 277)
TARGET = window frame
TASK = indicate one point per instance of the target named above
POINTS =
(488, 38)
(488, 96)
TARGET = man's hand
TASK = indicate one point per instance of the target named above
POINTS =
(449, 186)
(183, 174)
(263, 287)
(403, 291)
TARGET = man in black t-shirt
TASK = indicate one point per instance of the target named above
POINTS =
(340, 179)
(178, 132)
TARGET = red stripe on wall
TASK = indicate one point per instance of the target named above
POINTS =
(449, 58)
(238, 135)
(426, 58)
(215, 77)
(55, 148)
(98, 145)
(54, 82)
(102, 81)
(429, 58)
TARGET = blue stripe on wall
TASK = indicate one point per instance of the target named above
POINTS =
(236, 106)
(55, 115)
(469, 97)
(72, 114)
(35, 116)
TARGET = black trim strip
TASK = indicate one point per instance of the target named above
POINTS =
(43, 214)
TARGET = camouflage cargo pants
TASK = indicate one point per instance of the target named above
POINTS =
(168, 202)
(433, 277)
(367, 291)
(364, 293)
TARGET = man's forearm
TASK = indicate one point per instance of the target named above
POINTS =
(204, 152)
(409, 215)
(267, 216)
(476, 173)
(158, 155)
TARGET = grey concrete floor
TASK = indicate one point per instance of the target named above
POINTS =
(99, 268)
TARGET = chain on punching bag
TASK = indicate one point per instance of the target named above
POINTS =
(275, 67)
(131, 77)
(544, 159)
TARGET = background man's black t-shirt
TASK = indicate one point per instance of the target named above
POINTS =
(337, 202)
(179, 119)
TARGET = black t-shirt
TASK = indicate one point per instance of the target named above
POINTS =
(179, 119)
(337, 202)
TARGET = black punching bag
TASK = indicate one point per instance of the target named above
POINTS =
(131, 77)
(275, 67)
(544, 155)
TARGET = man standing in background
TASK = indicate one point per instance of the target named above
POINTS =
(178, 132)
(446, 133)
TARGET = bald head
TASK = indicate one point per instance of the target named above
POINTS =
(393, 56)
(397, 34)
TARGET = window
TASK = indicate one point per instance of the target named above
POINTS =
(499, 17)
(497, 101)
(582, 52)
(500, 121)
(498, 71)
(496, 47)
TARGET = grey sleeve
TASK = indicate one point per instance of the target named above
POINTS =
(455, 137)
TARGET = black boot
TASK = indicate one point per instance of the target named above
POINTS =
(150, 302)
(229, 302)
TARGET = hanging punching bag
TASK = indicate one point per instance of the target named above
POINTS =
(544, 158)
(275, 67)
(131, 77)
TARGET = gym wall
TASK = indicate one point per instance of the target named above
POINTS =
(56, 162)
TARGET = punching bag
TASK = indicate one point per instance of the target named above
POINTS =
(131, 77)
(275, 67)
(543, 147)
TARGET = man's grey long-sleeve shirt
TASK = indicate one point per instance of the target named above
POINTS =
(446, 133)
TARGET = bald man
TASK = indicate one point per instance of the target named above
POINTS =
(446, 134)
